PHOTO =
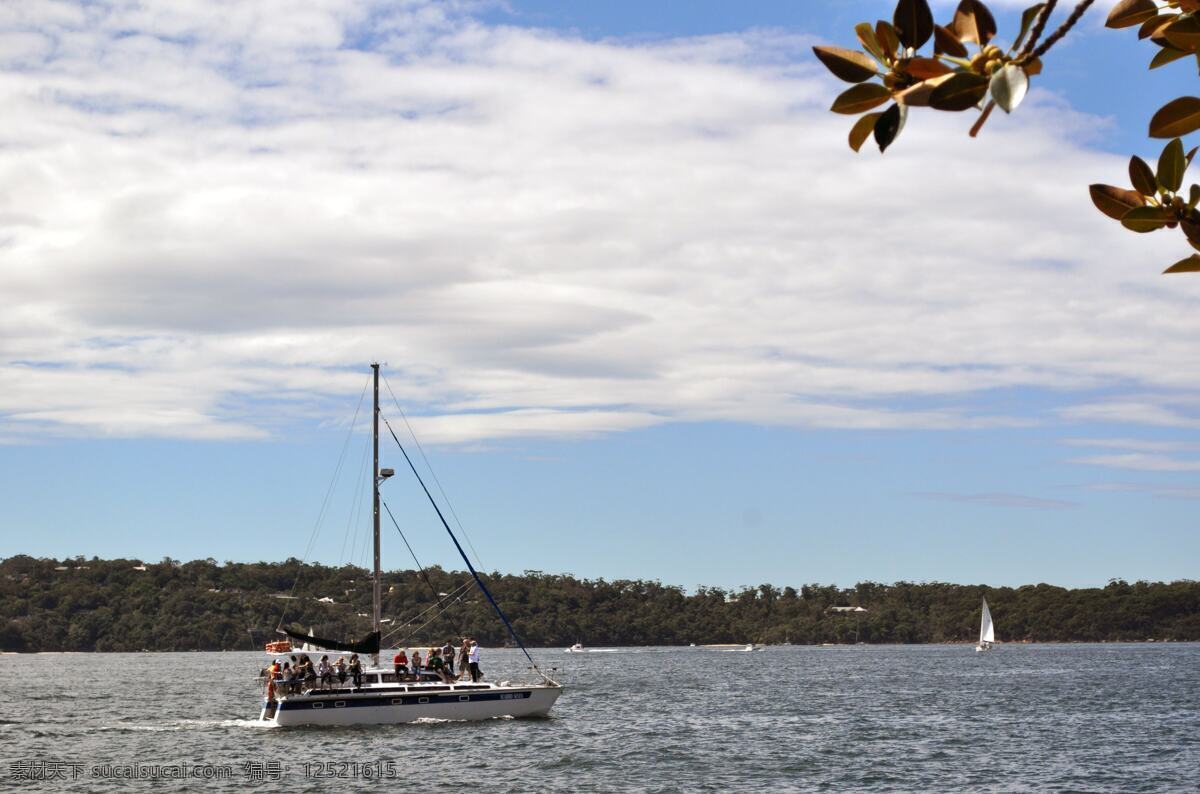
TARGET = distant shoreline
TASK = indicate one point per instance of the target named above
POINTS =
(698, 649)
(127, 605)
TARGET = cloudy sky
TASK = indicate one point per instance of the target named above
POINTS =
(646, 311)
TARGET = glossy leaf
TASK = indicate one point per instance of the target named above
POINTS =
(1167, 55)
(1177, 117)
(863, 96)
(1154, 24)
(917, 96)
(1027, 18)
(973, 22)
(888, 125)
(914, 22)
(961, 91)
(849, 65)
(1114, 201)
(1189, 265)
(1171, 165)
(866, 37)
(1190, 230)
(887, 36)
(1008, 86)
(1142, 176)
(1183, 33)
(862, 130)
(944, 41)
(1145, 219)
(926, 68)
(1128, 13)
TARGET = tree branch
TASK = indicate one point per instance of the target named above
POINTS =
(1063, 28)
(1038, 27)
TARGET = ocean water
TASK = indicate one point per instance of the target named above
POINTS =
(1120, 718)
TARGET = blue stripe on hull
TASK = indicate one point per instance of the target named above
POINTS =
(401, 700)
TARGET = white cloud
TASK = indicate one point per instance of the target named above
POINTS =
(215, 212)
(1141, 461)
(1000, 500)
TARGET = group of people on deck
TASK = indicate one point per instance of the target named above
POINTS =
(441, 662)
(290, 677)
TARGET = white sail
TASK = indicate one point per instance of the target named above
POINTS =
(986, 632)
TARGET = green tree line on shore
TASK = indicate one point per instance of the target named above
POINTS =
(124, 605)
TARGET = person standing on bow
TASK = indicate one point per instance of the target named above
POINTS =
(448, 657)
(463, 653)
(473, 662)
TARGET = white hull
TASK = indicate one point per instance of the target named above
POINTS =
(391, 705)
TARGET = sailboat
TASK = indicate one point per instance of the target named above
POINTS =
(379, 696)
(987, 633)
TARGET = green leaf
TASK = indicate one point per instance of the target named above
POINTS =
(1171, 165)
(1193, 197)
(887, 36)
(1188, 157)
(1142, 176)
(1027, 17)
(888, 125)
(973, 22)
(961, 91)
(1008, 86)
(862, 130)
(1128, 13)
(1189, 265)
(866, 37)
(863, 96)
(1177, 117)
(1145, 219)
(1183, 33)
(945, 41)
(926, 68)
(851, 66)
(914, 22)
(1166, 55)
(1115, 201)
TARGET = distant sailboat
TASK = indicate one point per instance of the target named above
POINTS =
(987, 633)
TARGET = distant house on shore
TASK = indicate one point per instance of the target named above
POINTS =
(847, 609)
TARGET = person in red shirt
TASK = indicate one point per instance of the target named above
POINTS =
(401, 662)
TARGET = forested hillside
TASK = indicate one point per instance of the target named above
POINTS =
(125, 605)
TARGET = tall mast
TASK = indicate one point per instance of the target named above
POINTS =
(376, 601)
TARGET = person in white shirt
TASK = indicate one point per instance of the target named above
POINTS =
(325, 671)
(473, 661)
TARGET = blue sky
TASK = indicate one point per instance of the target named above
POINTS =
(649, 315)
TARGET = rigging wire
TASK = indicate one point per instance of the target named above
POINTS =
(420, 628)
(420, 567)
(355, 507)
(312, 538)
(478, 580)
(455, 595)
(432, 473)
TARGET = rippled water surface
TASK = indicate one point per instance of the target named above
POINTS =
(866, 718)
